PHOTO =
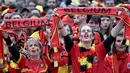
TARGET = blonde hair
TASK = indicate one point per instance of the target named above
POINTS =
(35, 41)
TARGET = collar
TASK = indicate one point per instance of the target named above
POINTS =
(83, 49)
(122, 56)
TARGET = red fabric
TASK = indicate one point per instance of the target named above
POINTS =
(125, 67)
(75, 32)
(1, 46)
(75, 53)
(111, 11)
(127, 33)
(55, 35)
(11, 70)
(101, 53)
(25, 23)
(97, 38)
(67, 20)
(41, 33)
(33, 67)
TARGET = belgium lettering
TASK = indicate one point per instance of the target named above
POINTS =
(25, 23)
(88, 10)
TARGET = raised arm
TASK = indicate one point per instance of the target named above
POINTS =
(112, 36)
(12, 48)
(68, 41)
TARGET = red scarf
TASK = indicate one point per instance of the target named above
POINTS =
(108, 11)
(115, 65)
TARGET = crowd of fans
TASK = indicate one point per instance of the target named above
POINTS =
(88, 43)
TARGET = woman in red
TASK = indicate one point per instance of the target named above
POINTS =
(83, 54)
(34, 63)
(119, 62)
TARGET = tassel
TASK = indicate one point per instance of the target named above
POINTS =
(55, 62)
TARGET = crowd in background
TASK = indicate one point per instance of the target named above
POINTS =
(88, 43)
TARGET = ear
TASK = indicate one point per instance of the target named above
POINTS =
(92, 37)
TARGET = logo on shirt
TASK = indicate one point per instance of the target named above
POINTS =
(95, 60)
(128, 65)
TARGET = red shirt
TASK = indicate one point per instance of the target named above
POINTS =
(122, 66)
(75, 53)
(28, 66)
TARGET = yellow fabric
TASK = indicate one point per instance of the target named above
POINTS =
(13, 65)
(1, 60)
(39, 8)
(5, 52)
(127, 42)
(45, 70)
(35, 35)
(5, 70)
(76, 2)
(20, 58)
(92, 47)
(82, 60)
(55, 63)
(55, 49)
(119, 5)
(63, 69)
(25, 70)
(4, 12)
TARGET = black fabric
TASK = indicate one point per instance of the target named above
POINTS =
(68, 43)
(82, 49)
(107, 43)
(8, 41)
(90, 58)
(13, 50)
(83, 68)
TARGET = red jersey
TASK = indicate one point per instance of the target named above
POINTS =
(75, 54)
(122, 64)
(10, 68)
(28, 66)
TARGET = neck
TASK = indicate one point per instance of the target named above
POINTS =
(103, 31)
(35, 58)
(87, 45)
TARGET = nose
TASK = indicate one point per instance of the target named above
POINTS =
(105, 21)
(120, 43)
(86, 32)
(32, 47)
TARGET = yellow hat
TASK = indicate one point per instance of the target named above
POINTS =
(4, 12)
(76, 2)
(40, 8)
